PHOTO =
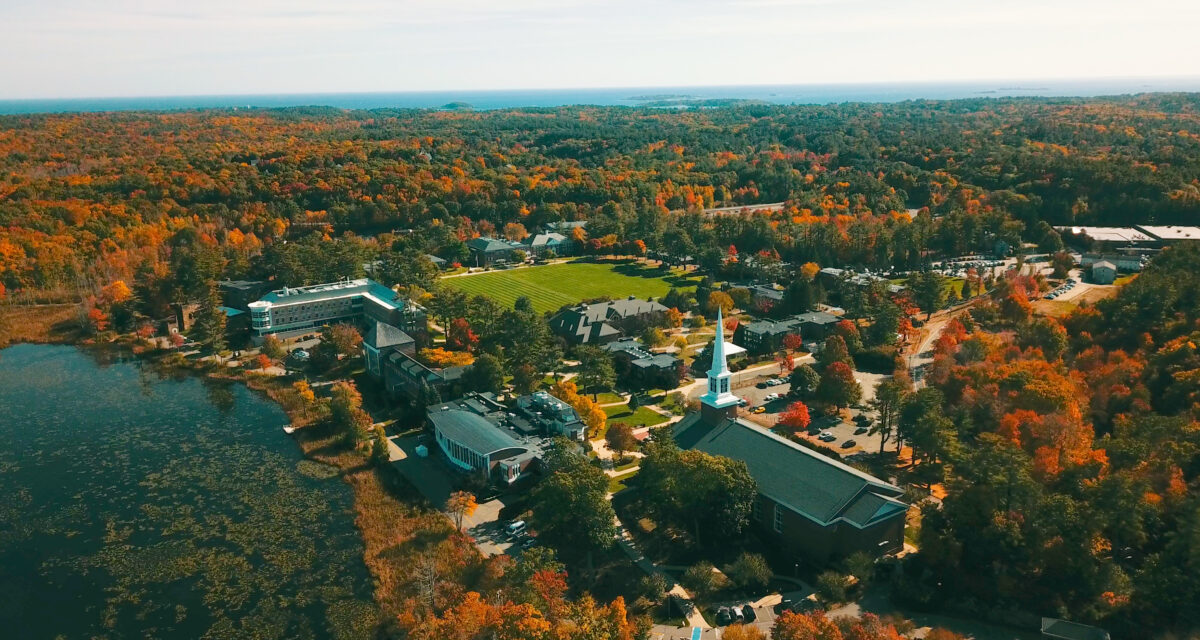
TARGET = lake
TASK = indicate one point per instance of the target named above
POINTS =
(139, 505)
(618, 96)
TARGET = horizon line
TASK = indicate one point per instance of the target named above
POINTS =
(1169, 77)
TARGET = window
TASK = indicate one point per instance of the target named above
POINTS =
(778, 519)
(724, 385)
(756, 510)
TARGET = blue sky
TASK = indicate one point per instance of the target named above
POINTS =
(87, 48)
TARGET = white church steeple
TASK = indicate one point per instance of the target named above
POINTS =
(718, 395)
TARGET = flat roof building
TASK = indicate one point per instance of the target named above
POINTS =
(1171, 234)
(1109, 235)
(293, 311)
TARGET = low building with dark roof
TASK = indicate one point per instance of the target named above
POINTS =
(539, 244)
(565, 227)
(485, 250)
(813, 506)
(404, 375)
(603, 322)
(639, 368)
(238, 294)
(765, 336)
(380, 341)
(1104, 272)
(550, 416)
(1067, 630)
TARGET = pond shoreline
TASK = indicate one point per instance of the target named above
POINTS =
(390, 514)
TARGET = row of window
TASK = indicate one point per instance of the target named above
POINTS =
(462, 454)
(756, 513)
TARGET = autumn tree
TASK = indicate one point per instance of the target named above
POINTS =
(796, 417)
(718, 300)
(461, 504)
(619, 438)
(263, 361)
(838, 388)
(834, 350)
(459, 336)
(273, 348)
(346, 413)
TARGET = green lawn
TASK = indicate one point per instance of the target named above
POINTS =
(555, 285)
(617, 484)
(643, 417)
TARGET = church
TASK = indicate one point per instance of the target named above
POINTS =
(814, 507)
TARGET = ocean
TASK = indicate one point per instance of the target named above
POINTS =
(640, 96)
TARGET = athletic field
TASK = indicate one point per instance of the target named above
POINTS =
(552, 286)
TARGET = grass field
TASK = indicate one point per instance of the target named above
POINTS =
(552, 286)
(642, 417)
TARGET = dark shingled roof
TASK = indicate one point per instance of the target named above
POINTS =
(471, 430)
(1067, 630)
(382, 335)
(804, 480)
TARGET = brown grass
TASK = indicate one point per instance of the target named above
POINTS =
(47, 323)
(1059, 309)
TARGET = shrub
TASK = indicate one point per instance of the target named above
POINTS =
(831, 586)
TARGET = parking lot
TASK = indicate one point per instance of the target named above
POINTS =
(842, 432)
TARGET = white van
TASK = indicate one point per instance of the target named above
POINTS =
(515, 528)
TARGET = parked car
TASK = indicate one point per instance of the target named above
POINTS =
(763, 385)
(515, 528)
(724, 616)
(827, 437)
(738, 616)
(859, 431)
(748, 613)
(849, 443)
(759, 410)
(742, 402)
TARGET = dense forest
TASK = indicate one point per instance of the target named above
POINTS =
(1071, 456)
(86, 199)
(1068, 448)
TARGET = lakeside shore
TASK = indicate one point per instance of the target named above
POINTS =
(402, 534)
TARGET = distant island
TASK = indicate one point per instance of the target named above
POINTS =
(458, 106)
(662, 96)
(701, 103)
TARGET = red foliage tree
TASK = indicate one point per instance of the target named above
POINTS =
(796, 417)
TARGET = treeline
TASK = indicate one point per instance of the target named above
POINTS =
(86, 199)
(1071, 456)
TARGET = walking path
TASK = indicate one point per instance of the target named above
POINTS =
(625, 541)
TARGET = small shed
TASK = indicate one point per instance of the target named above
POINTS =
(1104, 272)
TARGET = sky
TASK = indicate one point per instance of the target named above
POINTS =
(100, 48)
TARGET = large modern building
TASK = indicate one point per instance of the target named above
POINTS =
(475, 441)
(812, 506)
(479, 434)
(290, 312)
(603, 322)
